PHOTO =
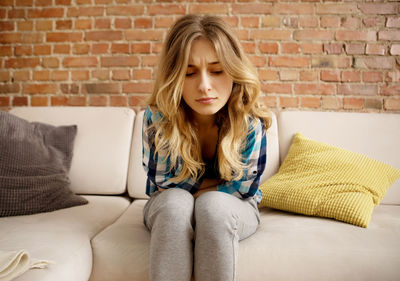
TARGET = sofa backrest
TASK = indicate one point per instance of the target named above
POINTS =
(376, 135)
(137, 176)
(101, 150)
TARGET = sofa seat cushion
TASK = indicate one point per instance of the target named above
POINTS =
(295, 247)
(285, 247)
(62, 237)
(121, 251)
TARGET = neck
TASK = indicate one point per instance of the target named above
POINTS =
(203, 121)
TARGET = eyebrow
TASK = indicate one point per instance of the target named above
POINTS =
(211, 63)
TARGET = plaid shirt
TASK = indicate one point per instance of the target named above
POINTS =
(157, 165)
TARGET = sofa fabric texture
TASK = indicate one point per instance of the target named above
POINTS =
(106, 240)
(35, 159)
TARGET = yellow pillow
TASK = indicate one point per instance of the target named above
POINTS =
(322, 180)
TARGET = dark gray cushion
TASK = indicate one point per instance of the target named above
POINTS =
(35, 159)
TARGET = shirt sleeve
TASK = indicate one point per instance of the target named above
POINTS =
(156, 164)
(254, 156)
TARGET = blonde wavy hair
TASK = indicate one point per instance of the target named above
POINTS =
(174, 133)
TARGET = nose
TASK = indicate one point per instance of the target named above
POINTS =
(205, 83)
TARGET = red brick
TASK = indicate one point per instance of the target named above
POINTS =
(25, 26)
(278, 88)
(21, 75)
(120, 48)
(20, 101)
(121, 74)
(389, 35)
(252, 8)
(6, 38)
(103, 35)
(23, 51)
(79, 75)
(311, 48)
(100, 48)
(350, 22)
(167, 9)
(357, 89)
(314, 89)
(41, 75)
(271, 21)
(22, 62)
(58, 101)
(207, 8)
(308, 75)
(119, 61)
(313, 35)
(80, 49)
(354, 35)
(270, 34)
(330, 75)
(353, 103)
(375, 49)
(249, 47)
(308, 21)
(378, 21)
(390, 90)
(83, 24)
(46, 13)
(283, 61)
(340, 8)
(331, 61)
(143, 23)
(40, 101)
(268, 74)
(392, 104)
(289, 102)
(331, 102)
(139, 87)
(4, 101)
(64, 37)
(9, 88)
(293, 8)
(269, 101)
(50, 62)
(330, 21)
(288, 75)
(379, 8)
(143, 48)
(125, 10)
(373, 103)
(86, 12)
(310, 102)
(392, 76)
(63, 24)
(123, 23)
(135, 100)
(76, 101)
(118, 101)
(393, 22)
(355, 49)
(258, 61)
(375, 62)
(5, 50)
(290, 48)
(42, 50)
(150, 60)
(333, 48)
(250, 21)
(80, 62)
(95, 100)
(140, 74)
(351, 76)
(164, 22)
(395, 49)
(5, 76)
(101, 88)
(39, 88)
(102, 23)
(59, 75)
(61, 49)
(141, 35)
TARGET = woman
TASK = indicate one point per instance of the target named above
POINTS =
(204, 150)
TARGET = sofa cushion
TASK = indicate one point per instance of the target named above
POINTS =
(137, 176)
(34, 165)
(295, 247)
(376, 135)
(323, 180)
(102, 145)
(121, 251)
(62, 237)
(285, 247)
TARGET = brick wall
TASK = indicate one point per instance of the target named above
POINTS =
(310, 54)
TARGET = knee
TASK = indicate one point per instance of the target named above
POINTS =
(175, 207)
(212, 210)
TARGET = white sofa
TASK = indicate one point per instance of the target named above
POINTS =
(106, 239)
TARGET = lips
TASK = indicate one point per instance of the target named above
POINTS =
(206, 100)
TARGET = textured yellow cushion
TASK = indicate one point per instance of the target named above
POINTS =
(322, 180)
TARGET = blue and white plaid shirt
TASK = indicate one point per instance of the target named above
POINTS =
(159, 174)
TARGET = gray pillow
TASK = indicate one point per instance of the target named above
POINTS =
(35, 159)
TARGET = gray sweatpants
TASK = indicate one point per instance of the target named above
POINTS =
(200, 236)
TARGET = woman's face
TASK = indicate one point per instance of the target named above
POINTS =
(207, 86)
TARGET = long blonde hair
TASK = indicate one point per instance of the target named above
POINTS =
(175, 134)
